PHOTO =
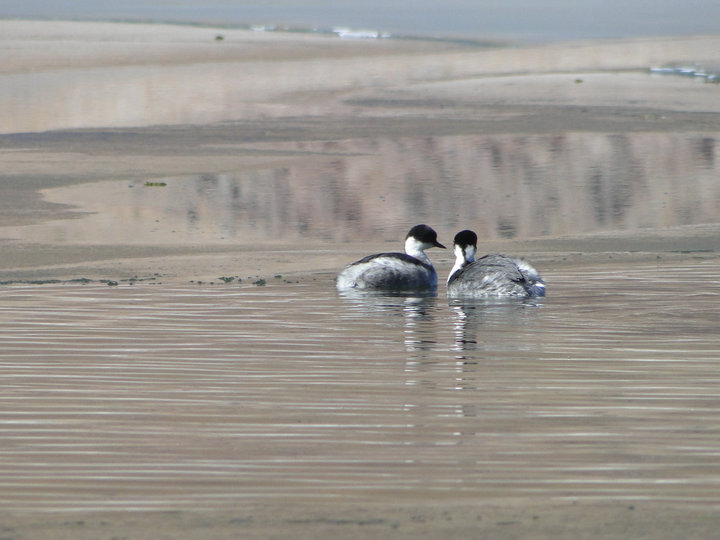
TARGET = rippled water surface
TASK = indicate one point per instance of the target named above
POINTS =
(153, 396)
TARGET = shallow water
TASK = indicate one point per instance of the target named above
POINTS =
(550, 20)
(502, 186)
(155, 396)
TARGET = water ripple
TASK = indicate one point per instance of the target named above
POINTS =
(146, 396)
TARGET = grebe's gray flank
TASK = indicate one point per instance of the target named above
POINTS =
(490, 276)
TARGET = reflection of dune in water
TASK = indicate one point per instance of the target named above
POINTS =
(505, 186)
(524, 186)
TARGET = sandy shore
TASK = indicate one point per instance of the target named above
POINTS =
(405, 520)
(90, 102)
(84, 102)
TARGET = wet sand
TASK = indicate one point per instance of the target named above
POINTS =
(403, 520)
(87, 102)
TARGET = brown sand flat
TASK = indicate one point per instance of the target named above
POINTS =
(107, 86)
(89, 102)
(403, 520)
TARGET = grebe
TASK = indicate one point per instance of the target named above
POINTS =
(409, 271)
(491, 276)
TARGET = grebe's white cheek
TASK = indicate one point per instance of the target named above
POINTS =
(470, 253)
(412, 245)
(416, 248)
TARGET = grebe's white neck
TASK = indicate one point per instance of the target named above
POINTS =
(463, 256)
(416, 248)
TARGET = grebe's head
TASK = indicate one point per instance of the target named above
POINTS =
(420, 238)
(465, 246)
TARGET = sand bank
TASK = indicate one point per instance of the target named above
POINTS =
(86, 102)
(82, 75)
(402, 521)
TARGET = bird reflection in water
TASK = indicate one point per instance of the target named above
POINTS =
(488, 325)
(417, 312)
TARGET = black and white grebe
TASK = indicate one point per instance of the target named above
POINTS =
(409, 271)
(491, 276)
